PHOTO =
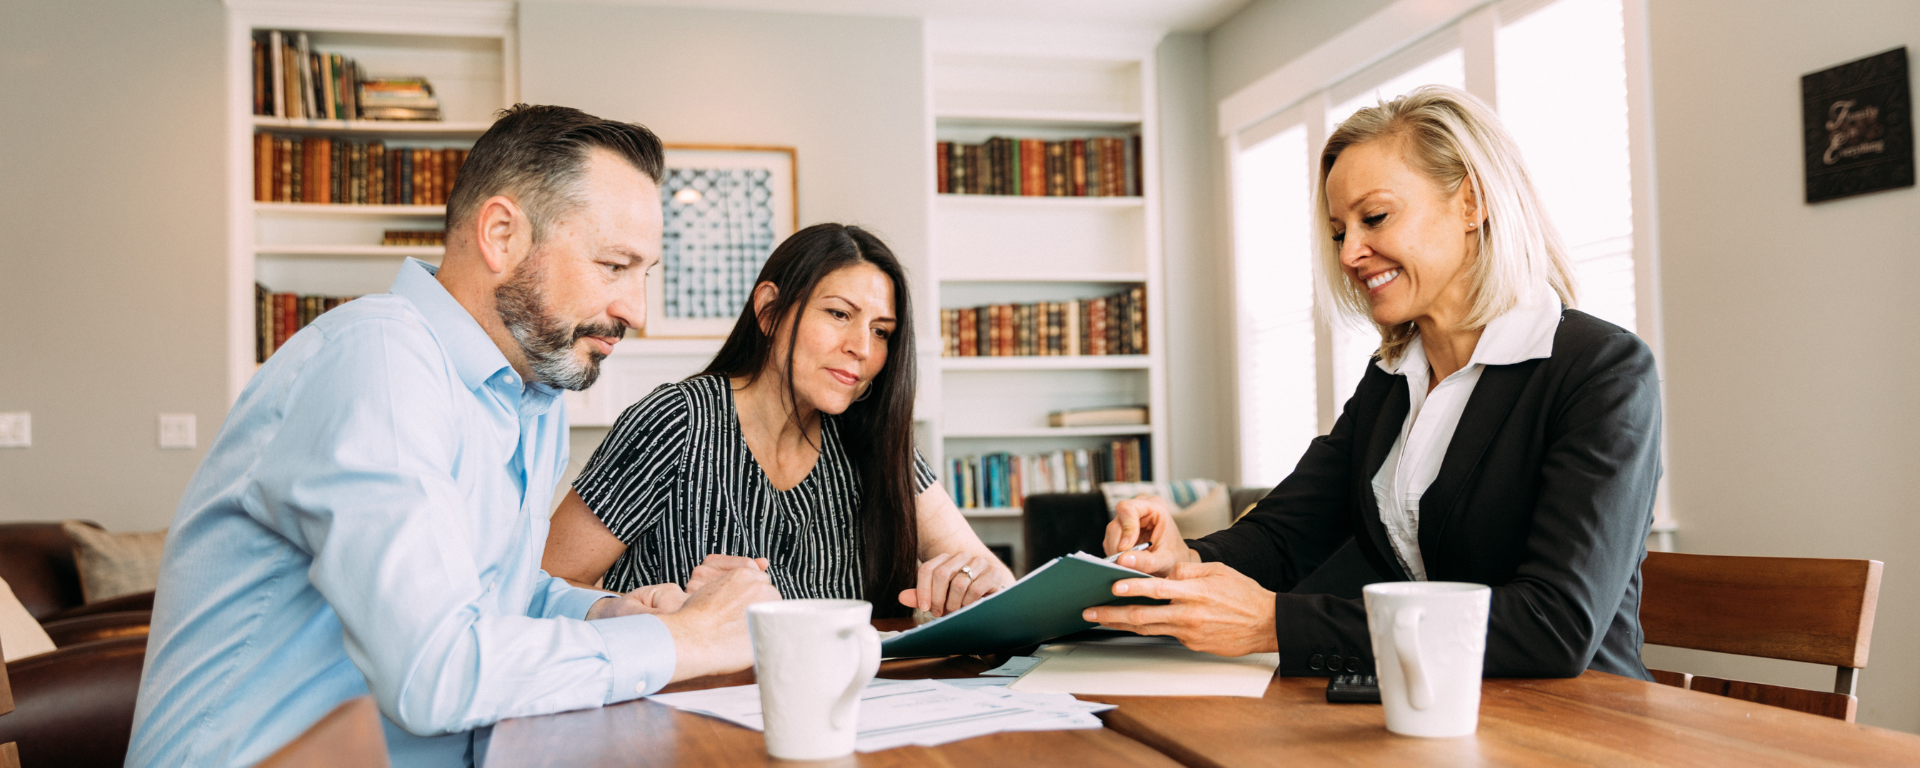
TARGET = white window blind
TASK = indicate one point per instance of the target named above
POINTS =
(1272, 203)
(1562, 77)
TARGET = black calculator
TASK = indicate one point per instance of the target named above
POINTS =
(1353, 689)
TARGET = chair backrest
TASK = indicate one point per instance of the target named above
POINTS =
(349, 736)
(1800, 609)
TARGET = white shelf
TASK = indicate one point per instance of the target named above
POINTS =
(1047, 118)
(1130, 429)
(1040, 201)
(353, 251)
(329, 209)
(1056, 277)
(1047, 363)
(991, 512)
(412, 129)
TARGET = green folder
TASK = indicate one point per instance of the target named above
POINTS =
(1041, 606)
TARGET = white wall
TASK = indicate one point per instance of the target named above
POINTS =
(1793, 380)
(1793, 375)
(113, 265)
(1199, 397)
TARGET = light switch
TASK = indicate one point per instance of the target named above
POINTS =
(16, 430)
(177, 430)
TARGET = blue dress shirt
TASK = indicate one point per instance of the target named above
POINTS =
(370, 520)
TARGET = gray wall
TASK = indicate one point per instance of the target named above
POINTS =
(1793, 409)
(1793, 378)
(113, 267)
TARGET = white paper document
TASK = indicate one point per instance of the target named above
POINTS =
(1146, 667)
(1015, 667)
(898, 713)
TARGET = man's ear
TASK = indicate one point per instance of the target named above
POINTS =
(502, 232)
(763, 296)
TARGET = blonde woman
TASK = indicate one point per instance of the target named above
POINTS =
(1499, 436)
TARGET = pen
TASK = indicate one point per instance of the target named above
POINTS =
(1115, 557)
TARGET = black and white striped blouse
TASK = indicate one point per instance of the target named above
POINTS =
(675, 481)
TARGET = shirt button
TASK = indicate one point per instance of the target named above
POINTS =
(640, 688)
(1317, 663)
(1334, 662)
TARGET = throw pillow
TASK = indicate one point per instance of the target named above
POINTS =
(115, 564)
(1211, 513)
(20, 635)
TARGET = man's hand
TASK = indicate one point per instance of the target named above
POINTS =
(710, 629)
(1215, 609)
(942, 588)
(710, 569)
(655, 598)
(1148, 519)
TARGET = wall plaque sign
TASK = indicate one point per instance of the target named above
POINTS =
(1858, 127)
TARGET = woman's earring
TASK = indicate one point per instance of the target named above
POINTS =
(864, 392)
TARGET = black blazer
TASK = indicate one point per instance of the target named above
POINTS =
(1545, 494)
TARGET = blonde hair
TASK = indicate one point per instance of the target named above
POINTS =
(1452, 137)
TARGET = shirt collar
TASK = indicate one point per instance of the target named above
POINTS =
(1522, 333)
(473, 352)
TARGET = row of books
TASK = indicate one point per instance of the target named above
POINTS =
(1098, 166)
(290, 79)
(998, 480)
(413, 237)
(1110, 325)
(277, 316)
(319, 169)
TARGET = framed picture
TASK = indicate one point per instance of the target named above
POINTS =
(1857, 119)
(724, 208)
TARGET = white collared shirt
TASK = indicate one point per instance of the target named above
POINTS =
(1523, 333)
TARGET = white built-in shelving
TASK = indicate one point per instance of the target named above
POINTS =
(987, 80)
(466, 48)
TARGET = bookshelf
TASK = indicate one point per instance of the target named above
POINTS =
(986, 80)
(465, 48)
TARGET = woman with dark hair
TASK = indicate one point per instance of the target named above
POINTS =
(792, 453)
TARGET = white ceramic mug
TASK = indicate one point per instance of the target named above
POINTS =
(812, 659)
(1429, 642)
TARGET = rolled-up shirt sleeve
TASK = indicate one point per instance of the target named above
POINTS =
(362, 479)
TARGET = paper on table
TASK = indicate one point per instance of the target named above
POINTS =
(1146, 669)
(1015, 667)
(896, 713)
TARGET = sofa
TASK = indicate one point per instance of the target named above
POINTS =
(73, 706)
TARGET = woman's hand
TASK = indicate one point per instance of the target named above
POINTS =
(654, 598)
(1215, 609)
(942, 587)
(1148, 519)
(711, 569)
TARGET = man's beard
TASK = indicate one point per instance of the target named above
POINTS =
(548, 343)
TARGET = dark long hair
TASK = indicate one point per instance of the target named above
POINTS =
(877, 430)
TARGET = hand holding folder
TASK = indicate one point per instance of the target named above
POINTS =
(1043, 605)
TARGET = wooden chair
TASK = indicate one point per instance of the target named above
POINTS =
(1800, 609)
(350, 735)
(10, 751)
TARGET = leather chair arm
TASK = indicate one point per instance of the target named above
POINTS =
(139, 602)
(74, 706)
(99, 626)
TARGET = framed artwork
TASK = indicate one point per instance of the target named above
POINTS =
(723, 209)
(1857, 120)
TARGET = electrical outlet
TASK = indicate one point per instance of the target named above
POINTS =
(176, 430)
(16, 430)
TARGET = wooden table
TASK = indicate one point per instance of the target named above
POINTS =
(1596, 719)
(642, 733)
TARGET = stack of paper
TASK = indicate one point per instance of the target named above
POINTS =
(898, 713)
(1145, 666)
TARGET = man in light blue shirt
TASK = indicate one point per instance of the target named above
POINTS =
(372, 515)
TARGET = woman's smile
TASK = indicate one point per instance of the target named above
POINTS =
(1379, 281)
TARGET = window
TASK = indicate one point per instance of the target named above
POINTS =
(1557, 73)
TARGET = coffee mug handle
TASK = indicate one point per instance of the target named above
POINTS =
(1406, 645)
(869, 665)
